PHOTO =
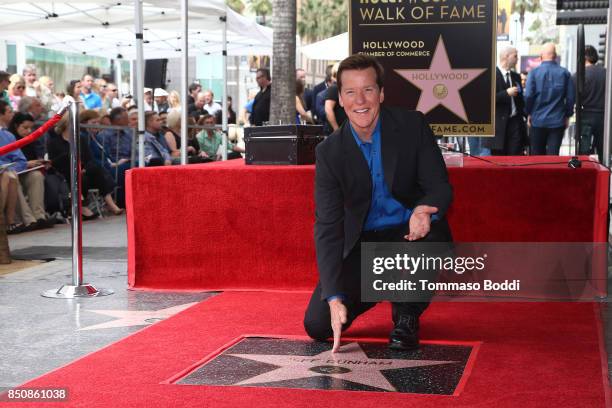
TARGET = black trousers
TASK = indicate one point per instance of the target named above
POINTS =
(546, 141)
(317, 319)
(96, 177)
(591, 138)
(516, 135)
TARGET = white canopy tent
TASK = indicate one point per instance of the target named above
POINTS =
(106, 28)
(331, 49)
(139, 30)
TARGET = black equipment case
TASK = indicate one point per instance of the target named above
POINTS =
(282, 144)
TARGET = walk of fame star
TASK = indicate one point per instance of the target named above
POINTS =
(350, 364)
(127, 318)
(440, 84)
(305, 364)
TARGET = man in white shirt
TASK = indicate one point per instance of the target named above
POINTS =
(210, 105)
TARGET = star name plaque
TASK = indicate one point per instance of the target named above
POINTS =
(288, 363)
(439, 58)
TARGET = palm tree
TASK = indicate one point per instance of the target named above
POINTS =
(236, 5)
(523, 6)
(320, 19)
(261, 8)
(282, 106)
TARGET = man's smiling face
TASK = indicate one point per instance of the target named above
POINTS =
(361, 97)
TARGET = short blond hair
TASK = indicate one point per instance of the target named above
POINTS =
(173, 120)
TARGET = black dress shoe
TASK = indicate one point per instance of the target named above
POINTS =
(405, 334)
(43, 223)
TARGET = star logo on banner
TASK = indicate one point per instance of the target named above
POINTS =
(351, 364)
(440, 84)
(127, 318)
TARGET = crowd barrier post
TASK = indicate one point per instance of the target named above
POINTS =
(77, 288)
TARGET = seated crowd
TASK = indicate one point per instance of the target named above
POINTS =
(35, 180)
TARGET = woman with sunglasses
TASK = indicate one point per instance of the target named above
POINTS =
(16, 90)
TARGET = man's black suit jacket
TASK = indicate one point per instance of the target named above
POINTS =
(414, 173)
(503, 109)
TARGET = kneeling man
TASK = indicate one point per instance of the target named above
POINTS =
(380, 177)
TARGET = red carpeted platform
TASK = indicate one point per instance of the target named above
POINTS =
(531, 355)
(232, 226)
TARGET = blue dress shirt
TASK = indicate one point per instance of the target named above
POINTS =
(385, 211)
(16, 156)
(91, 100)
(549, 95)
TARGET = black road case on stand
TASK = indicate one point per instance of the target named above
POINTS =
(282, 144)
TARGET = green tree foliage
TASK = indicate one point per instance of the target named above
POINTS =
(524, 6)
(320, 19)
(261, 8)
(236, 5)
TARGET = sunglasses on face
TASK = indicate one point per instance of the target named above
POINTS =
(20, 87)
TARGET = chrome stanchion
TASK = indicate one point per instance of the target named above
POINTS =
(77, 288)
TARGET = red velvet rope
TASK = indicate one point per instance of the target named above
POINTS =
(31, 137)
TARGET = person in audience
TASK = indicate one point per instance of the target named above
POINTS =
(91, 100)
(334, 112)
(48, 98)
(34, 108)
(133, 117)
(21, 126)
(163, 116)
(127, 102)
(112, 149)
(302, 114)
(32, 211)
(197, 109)
(117, 144)
(97, 176)
(261, 103)
(161, 100)
(101, 88)
(194, 90)
(300, 75)
(192, 133)
(149, 103)
(231, 115)
(173, 140)
(93, 176)
(73, 92)
(16, 90)
(112, 95)
(61, 95)
(155, 153)
(318, 96)
(105, 120)
(4, 84)
(210, 140)
(210, 105)
(8, 201)
(32, 86)
(174, 102)
(247, 109)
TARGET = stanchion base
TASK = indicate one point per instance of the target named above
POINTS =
(71, 291)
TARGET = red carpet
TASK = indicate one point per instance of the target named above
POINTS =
(228, 226)
(532, 355)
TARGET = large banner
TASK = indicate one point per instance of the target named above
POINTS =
(439, 58)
